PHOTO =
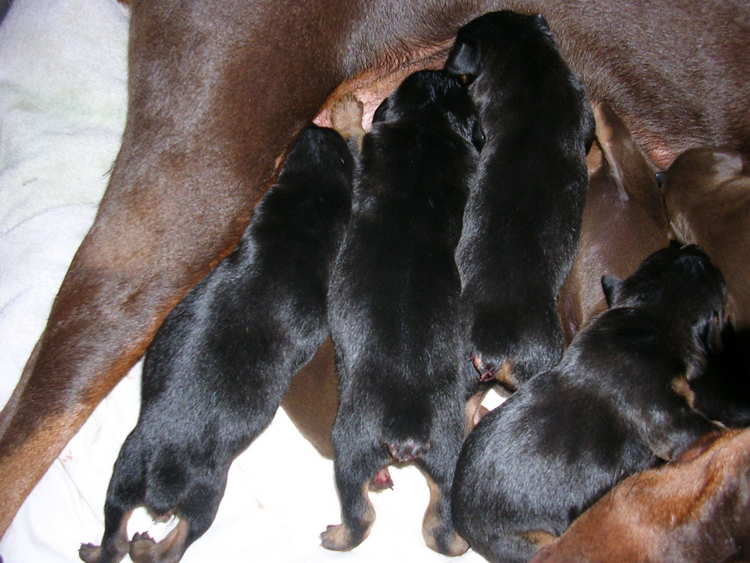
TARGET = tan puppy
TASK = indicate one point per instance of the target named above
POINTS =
(707, 193)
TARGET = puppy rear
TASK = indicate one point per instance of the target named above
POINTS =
(220, 363)
(610, 408)
(523, 215)
(393, 304)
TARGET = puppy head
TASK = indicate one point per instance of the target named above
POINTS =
(486, 40)
(701, 169)
(682, 282)
(431, 93)
(692, 179)
(318, 148)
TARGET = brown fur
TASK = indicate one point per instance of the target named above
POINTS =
(708, 199)
(695, 509)
(217, 93)
(624, 220)
(314, 418)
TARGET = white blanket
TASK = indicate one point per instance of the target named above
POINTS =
(62, 110)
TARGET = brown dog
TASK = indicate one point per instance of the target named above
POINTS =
(218, 91)
(623, 220)
(707, 194)
(695, 509)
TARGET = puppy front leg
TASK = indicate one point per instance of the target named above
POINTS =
(346, 118)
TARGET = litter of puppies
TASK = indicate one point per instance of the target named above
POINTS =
(441, 276)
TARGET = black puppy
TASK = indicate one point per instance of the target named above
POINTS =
(393, 305)
(221, 362)
(524, 213)
(613, 406)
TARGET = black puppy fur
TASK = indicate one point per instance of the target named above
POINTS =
(393, 304)
(524, 213)
(220, 364)
(610, 408)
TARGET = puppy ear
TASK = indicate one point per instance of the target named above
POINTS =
(382, 111)
(464, 60)
(477, 135)
(710, 333)
(630, 170)
(541, 22)
(611, 287)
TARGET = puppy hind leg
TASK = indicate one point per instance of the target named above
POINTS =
(143, 549)
(196, 512)
(437, 526)
(353, 476)
(124, 493)
(115, 541)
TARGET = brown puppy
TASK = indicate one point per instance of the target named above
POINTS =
(623, 220)
(695, 509)
(218, 91)
(707, 194)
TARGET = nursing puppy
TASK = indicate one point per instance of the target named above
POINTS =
(610, 408)
(707, 195)
(217, 370)
(623, 221)
(394, 305)
(695, 509)
(523, 215)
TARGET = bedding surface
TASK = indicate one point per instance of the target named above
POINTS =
(62, 111)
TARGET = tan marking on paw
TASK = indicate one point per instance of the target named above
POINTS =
(433, 520)
(681, 386)
(346, 118)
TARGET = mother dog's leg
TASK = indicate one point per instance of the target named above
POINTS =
(183, 184)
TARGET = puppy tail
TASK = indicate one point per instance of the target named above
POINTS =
(407, 431)
(407, 450)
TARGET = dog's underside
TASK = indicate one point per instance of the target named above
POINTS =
(218, 91)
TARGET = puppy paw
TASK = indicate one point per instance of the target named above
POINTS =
(143, 548)
(447, 542)
(346, 118)
(337, 538)
(498, 371)
(89, 552)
